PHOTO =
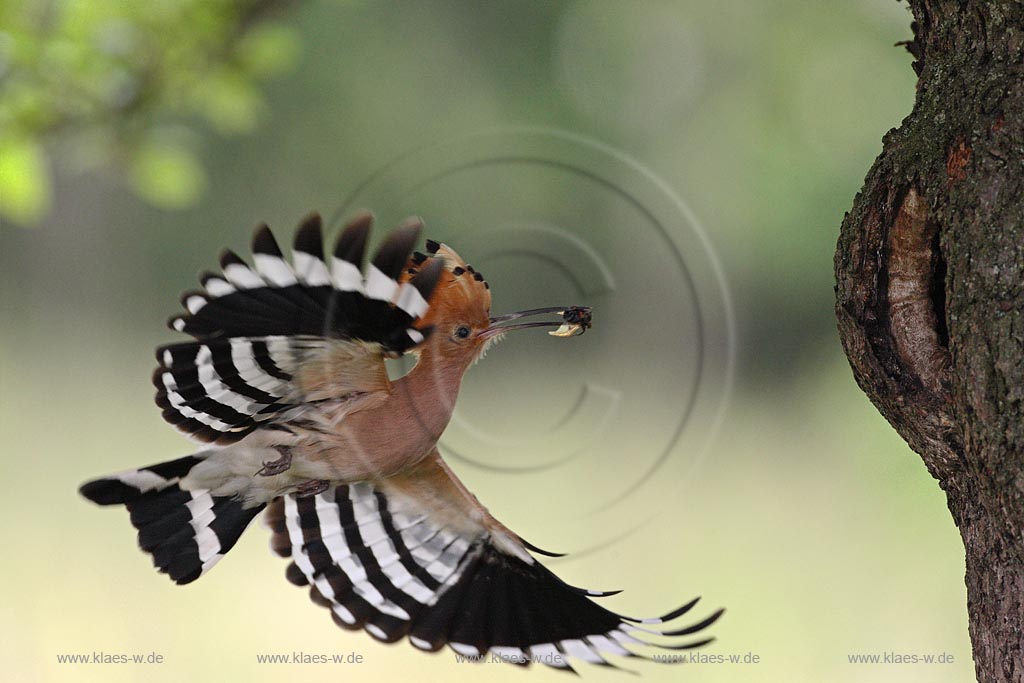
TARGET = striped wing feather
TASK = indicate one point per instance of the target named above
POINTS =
(400, 567)
(277, 335)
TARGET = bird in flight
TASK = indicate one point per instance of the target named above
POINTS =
(285, 383)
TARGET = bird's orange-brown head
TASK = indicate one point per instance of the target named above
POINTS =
(460, 308)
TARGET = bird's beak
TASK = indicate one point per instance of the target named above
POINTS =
(575, 320)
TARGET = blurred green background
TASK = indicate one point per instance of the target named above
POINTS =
(137, 139)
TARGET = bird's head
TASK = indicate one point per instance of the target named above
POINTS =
(460, 309)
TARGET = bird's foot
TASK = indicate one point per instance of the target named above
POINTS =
(311, 487)
(282, 464)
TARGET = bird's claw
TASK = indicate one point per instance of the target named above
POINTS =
(281, 464)
(311, 488)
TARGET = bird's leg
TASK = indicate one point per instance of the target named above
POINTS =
(282, 464)
(311, 487)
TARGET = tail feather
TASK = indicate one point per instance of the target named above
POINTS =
(130, 484)
(185, 531)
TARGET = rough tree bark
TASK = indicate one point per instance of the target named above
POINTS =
(930, 296)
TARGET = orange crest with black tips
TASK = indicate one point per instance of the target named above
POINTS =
(461, 295)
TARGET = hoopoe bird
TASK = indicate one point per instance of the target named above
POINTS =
(286, 384)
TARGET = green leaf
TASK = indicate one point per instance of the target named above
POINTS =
(168, 175)
(24, 181)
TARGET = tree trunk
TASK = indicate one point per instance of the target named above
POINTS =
(930, 296)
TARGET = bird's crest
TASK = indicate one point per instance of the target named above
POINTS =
(461, 293)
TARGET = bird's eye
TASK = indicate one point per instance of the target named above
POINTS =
(462, 332)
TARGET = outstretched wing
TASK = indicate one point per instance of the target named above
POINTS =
(417, 556)
(280, 335)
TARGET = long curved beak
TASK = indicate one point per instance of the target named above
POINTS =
(574, 320)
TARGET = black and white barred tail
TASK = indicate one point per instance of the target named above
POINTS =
(252, 325)
(185, 532)
(396, 572)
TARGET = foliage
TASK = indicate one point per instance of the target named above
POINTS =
(115, 81)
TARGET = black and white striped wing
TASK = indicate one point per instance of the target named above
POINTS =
(398, 570)
(255, 327)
